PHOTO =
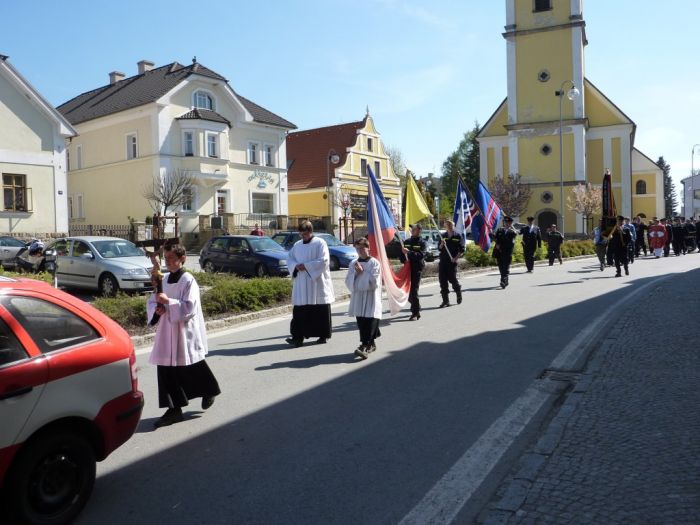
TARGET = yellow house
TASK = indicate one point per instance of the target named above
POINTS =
(170, 119)
(328, 172)
(555, 128)
(32, 159)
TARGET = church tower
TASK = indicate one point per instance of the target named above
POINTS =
(555, 128)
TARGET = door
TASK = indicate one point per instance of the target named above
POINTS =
(234, 259)
(247, 258)
(216, 253)
(81, 264)
(221, 202)
(546, 218)
(22, 381)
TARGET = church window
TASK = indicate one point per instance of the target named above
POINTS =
(543, 76)
(542, 5)
(641, 187)
(546, 149)
(547, 197)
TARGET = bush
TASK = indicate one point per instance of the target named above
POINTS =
(42, 276)
(232, 294)
(127, 310)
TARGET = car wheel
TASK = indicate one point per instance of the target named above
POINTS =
(334, 264)
(260, 270)
(52, 479)
(209, 267)
(108, 285)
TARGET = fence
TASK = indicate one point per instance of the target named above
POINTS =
(103, 230)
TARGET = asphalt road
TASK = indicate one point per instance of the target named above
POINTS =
(312, 435)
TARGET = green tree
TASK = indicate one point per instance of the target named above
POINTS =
(670, 197)
(463, 162)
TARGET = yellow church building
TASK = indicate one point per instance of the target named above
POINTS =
(555, 128)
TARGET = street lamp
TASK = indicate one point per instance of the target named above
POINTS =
(571, 94)
(692, 175)
(331, 158)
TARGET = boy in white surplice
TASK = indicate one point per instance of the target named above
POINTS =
(365, 283)
(312, 288)
(181, 341)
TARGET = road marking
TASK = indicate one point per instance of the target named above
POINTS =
(448, 496)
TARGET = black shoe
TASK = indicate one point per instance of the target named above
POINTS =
(618, 275)
(361, 351)
(295, 342)
(445, 304)
(503, 284)
(627, 272)
(414, 317)
(370, 348)
(171, 416)
(207, 402)
(459, 297)
(321, 341)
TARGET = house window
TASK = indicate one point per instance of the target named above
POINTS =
(79, 157)
(252, 153)
(262, 203)
(369, 144)
(203, 100)
(641, 187)
(268, 155)
(14, 189)
(377, 169)
(187, 199)
(131, 146)
(188, 143)
(79, 213)
(212, 145)
(363, 167)
(70, 207)
(67, 159)
(543, 5)
(221, 202)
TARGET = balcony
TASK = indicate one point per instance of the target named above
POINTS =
(207, 171)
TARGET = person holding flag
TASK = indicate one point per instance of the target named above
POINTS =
(451, 251)
(414, 251)
(503, 251)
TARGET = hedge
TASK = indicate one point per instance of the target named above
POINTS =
(42, 276)
(475, 256)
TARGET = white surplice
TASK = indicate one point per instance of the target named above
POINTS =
(312, 285)
(366, 289)
(181, 337)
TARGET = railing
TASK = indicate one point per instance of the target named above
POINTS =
(103, 230)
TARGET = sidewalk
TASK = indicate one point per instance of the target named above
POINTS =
(625, 445)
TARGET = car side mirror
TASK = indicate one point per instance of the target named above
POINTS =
(87, 256)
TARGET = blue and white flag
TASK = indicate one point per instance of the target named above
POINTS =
(464, 210)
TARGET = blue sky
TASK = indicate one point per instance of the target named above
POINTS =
(426, 69)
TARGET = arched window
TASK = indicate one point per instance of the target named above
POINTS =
(641, 187)
(203, 100)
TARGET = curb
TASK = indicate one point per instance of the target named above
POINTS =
(215, 325)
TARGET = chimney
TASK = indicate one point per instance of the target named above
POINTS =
(145, 65)
(116, 76)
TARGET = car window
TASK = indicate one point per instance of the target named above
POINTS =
(294, 238)
(9, 241)
(61, 247)
(279, 238)
(218, 245)
(245, 247)
(11, 350)
(79, 248)
(331, 240)
(117, 248)
(234, 245)
(50, 326)
(262, 244)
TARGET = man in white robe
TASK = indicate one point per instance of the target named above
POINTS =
(181, 341)
(364, 281)
(312, 290)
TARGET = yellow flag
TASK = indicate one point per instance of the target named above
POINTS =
(416, 208)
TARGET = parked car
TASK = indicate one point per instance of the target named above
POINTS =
(9, 246)
(68, 398)
(106, 264)
(340, 253)
(244, 255)
(432, 244)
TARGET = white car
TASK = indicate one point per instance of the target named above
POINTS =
(105, 264)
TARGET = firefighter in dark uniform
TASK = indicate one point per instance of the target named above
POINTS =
(505, 242)
(451, 251)
(678, 237)
(618, 242)
(532, 240)
(414, 250)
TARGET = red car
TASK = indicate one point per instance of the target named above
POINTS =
(68, 397)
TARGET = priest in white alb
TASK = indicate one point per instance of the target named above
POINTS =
(312, 288)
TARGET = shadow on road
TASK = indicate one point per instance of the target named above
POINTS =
(362, 448)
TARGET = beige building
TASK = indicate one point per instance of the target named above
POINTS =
(170, 119)
(32, 158)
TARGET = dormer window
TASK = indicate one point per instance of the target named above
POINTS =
(542, 5)
(203, 100)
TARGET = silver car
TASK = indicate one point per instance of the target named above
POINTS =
(106, 264)
(9, 246)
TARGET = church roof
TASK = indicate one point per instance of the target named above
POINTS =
(308, 152)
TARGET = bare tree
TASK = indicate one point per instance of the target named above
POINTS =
(511, 194)
(396, 161)
(168, 192)
(586, 200)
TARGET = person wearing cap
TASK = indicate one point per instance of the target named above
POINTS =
(633, 235)
(640, 228)
(532, 240)
(554, 241)
(414, 251)
(451, 251)
(503, 251)
(669, 236)
(618, 241)
(678, 239)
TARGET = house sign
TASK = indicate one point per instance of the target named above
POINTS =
(264, 178)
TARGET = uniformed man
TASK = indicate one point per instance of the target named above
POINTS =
(451, 251)
(554, 241)
(678, 240)
(618, 241)
(669, 236)
(532, 240)
(633, 235)
(505, 242)
(414, 250)
(640, 228)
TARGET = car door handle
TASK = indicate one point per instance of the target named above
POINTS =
(16, 393)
